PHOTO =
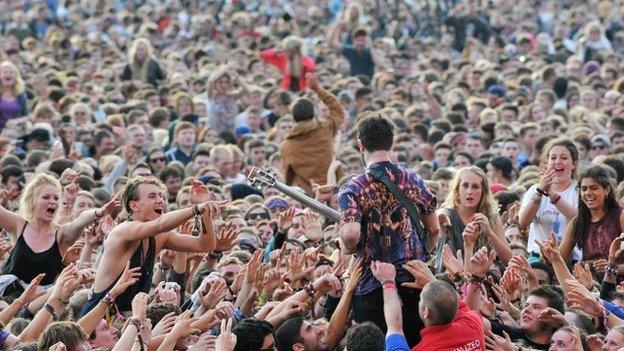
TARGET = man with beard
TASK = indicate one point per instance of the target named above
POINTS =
(148, 230)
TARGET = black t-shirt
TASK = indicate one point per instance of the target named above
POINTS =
(516, 334)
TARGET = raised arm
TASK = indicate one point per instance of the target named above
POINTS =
(386, 274)
(338, 319)
(133, 231)
(11, 222)
(567, 243)
(550, 250)
(336, 112)
(90, 321)
(204, 242)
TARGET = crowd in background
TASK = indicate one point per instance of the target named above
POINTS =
(509, 114)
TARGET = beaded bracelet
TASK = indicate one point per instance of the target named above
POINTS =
(611, 269)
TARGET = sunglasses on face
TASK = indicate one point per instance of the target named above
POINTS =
(258, 215)
(157, 159)
(599, 147)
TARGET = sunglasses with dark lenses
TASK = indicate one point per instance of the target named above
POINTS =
(258, 215)
(599, 147)
(157, 159)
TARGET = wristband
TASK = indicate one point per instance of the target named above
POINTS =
(309, 289)
(196, 210)
(541, 192)
(50, 310)
(389, 285)
(136, 323)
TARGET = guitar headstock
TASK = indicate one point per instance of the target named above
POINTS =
(261, 177)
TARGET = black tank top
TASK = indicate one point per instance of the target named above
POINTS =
(144, 284)
(27, 264)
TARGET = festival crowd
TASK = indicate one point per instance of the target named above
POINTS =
(461, 163)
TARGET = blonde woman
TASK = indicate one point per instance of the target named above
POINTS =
(470, 204)
(13, 100)
(142, 64)
(40, 243)
(593, 42)
(291, 62)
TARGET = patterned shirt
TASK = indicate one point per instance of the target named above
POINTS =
(387, 234)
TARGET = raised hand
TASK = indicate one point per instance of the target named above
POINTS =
(226, 341)
(182, 327)
(327, 283)
(498, 343)
(583, 275)
(165, 325)
(454, 264)
(110, 207)
(107, 225)
(552, 317)
(312, 81)
(545, 181)
(483, 222)
(323, 193)
(200, 193)
(30, 294)
(312, 227)
(481, 261)
(226, 238)
(384, 272)
(421, 272)
(214, 293)
(139, 306)
(354, 278)
(73, 253)
(470, 233)
(128, 277)
(549, 248)
(615, 250)
(285, 219)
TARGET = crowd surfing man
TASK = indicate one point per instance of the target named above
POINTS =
(503, 121)
(376, 225)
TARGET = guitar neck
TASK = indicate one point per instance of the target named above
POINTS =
(308, 201)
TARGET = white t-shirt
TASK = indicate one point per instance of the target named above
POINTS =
(548, 218)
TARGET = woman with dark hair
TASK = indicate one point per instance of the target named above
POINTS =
(600, 218)
(500, 170)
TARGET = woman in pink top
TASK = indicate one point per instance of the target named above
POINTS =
(291, 62)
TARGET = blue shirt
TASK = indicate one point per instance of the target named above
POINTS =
(175, 154)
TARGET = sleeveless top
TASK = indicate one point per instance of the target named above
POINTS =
(144, 284)
(600, 235)
(27, 264)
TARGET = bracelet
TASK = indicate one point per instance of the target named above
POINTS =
(541, 192)
(611, 269)
(389, 285)
(309, 289)
(196, 210)
(110, 298)
(50, 310)
(556, 199)
(136, 323)
(475, 280)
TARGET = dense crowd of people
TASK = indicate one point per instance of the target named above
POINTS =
(465, 160)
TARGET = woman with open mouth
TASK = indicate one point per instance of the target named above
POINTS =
(13, 100)
(551, 204)
(471, 204)
(39, 241)
(600, 219)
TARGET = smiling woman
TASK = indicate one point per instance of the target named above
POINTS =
(600, 219)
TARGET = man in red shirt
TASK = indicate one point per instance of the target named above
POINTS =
(449, 323)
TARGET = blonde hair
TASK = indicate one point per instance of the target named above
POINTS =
(139, 69)
(28, 200)
(18, 85)
(487, 204)
(214, 77)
